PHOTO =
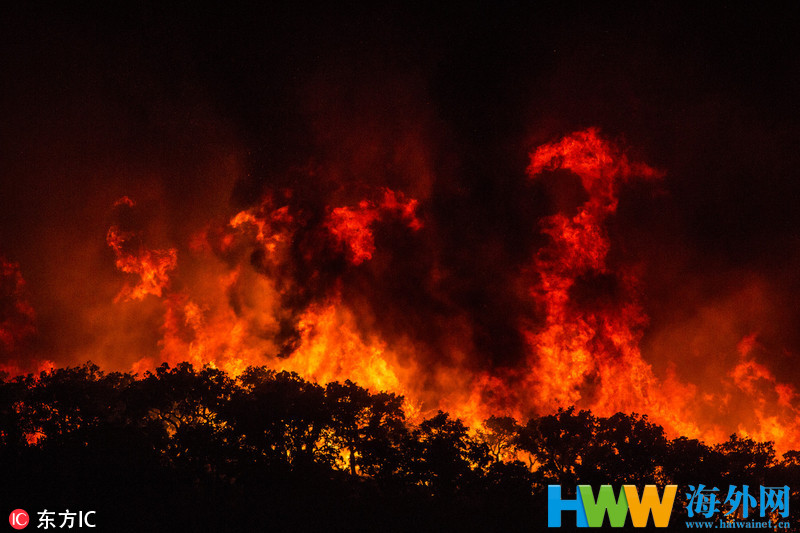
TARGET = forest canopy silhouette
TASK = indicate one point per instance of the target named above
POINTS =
(188, 449)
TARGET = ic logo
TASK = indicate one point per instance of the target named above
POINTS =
(18, 519)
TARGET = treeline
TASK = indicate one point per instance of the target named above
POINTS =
(196, 450)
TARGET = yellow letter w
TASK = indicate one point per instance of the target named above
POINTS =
(640, 509)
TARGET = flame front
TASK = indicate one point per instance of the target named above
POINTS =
(289, 285)
(588, 352)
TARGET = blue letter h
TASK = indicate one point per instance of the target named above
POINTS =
(555, 505)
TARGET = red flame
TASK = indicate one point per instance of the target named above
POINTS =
(16, 315)
(17, 322)
(151, 266)
(351, 226)
(587, 353)
(251, 289)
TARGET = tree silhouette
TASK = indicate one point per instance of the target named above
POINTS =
(559, 442)
(201, 450)
(500, 436)
(629, 449)
(370, 428)
(747, 458)
(282, 418)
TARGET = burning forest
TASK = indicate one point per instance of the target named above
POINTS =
(493, 219)
(311, 288)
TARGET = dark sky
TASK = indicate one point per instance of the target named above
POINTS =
(167, 103)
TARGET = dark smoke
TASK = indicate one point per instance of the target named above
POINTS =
(202, 113)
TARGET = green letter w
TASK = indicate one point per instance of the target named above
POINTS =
(595, 510)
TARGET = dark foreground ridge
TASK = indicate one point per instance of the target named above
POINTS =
(189, 450)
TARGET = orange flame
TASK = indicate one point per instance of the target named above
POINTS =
(585, 353)
(232, 302)
(17, 321)
(578, 346)
(151, 266)
(777, 421)
(16, 314)
(588, 352)
(351, 226)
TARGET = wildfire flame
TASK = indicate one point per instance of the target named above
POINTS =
(17, 321)
(588, 355)
(268, 285)
(351, 227)
(151, 266)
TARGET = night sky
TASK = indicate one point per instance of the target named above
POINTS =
(197, 113)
